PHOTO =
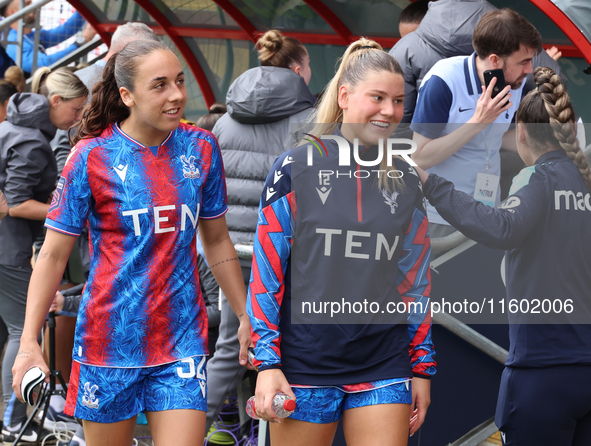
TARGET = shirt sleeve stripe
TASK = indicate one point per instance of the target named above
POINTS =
(64, 229)
(204, 216)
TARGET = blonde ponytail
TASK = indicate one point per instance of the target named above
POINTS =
(61, 82)
(360, 60)
(353, 67)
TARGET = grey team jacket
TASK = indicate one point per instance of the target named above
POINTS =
(263, 104)
(28, 170)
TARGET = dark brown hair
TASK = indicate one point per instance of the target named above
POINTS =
(207, 122)
(7, 89)
(415, 12)
(106, 106)
(549, 103)
(502, 32)
(276, 50)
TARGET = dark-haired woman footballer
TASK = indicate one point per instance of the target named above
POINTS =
(545, 226)
(143, 183)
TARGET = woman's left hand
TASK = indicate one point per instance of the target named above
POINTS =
(421, 398)
(245, 341)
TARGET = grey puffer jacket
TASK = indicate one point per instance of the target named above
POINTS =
(263, 103)
(446, 31)
(28, 170)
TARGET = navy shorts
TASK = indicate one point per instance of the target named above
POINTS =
(109, 395)
(325, 404)
(545, 406)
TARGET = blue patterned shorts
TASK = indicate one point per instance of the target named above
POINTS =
(323, 405)
(109, 395)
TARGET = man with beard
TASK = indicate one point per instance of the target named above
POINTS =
(454, 112)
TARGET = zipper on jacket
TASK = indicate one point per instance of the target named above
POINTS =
(359, 208)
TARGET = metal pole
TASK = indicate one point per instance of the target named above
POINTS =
(477, 435)
(23, 12)
(20, 37)
(471, 336)
(37, 40)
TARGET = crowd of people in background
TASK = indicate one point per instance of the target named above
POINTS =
(142, 209)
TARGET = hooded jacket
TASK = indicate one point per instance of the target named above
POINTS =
(28, 170)
(446, 31)
(262, 103)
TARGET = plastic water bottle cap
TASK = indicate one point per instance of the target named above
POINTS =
(289, 405)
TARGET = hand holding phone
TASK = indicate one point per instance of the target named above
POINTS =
(494, 100)
(499, 86)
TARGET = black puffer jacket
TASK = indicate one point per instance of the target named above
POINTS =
(263, 103)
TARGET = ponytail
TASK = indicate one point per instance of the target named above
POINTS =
(61, 82)
(361, 59)
(38, 81)
(106, 106)
(550, 103)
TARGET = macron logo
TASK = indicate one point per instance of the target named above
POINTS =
(121, 171)
(277, 176)
(270, 193)
(323, 193)
(287, 160)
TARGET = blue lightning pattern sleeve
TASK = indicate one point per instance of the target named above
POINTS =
(414, 285)
(272, 248)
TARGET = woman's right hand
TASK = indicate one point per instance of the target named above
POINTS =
(269, 383)
(29, 356)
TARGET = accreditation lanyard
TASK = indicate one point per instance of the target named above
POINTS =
(487, 184)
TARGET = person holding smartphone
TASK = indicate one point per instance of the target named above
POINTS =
(452, 121)
(545, 227)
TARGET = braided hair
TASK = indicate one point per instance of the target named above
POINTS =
(549, 103)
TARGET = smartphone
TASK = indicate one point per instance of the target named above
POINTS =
(488, 76)
(32, 384)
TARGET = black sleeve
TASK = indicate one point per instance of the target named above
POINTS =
(500, 228)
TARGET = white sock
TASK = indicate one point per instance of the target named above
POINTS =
(57, 402)
(14, 428)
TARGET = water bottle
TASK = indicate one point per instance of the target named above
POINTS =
(283, 406)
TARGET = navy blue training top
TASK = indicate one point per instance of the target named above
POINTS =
(323, 237)
(545, 226)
